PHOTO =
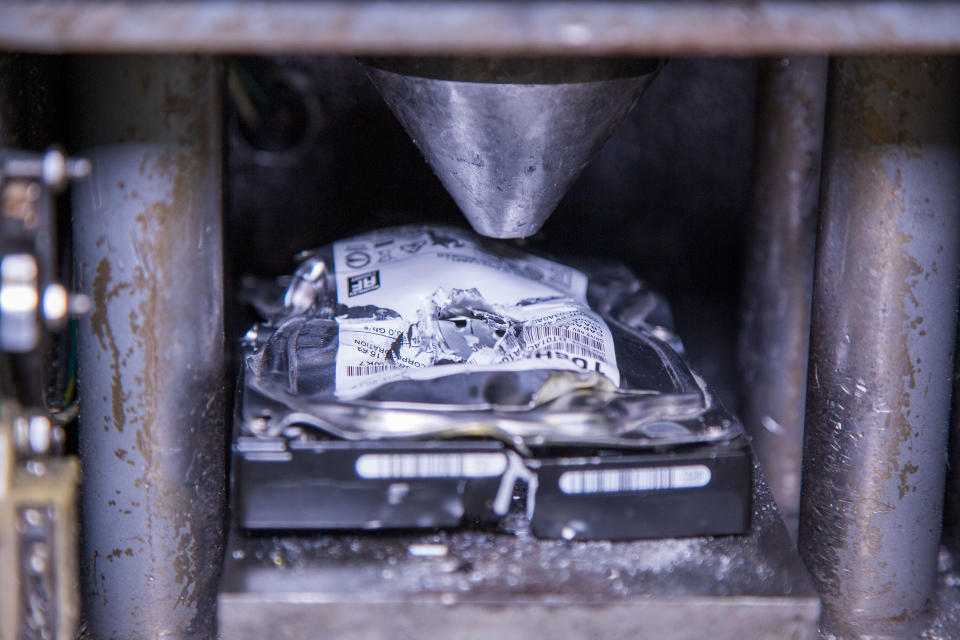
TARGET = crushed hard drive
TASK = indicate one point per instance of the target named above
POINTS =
(423, 376)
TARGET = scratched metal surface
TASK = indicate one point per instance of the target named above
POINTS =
(478, 584)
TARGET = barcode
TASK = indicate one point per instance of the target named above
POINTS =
(627, 480)
(576, 350)
(535, 334)
(368, 369)
(430, 465)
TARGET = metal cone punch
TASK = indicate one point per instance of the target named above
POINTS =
(508, 136)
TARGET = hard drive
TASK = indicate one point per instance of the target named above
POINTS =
(423, 376)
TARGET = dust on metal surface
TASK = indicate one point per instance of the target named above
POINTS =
(428, 27)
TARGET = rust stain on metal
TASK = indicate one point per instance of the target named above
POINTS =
(875, 127)
(873, 252)
(158, 228)
(100, 326)
(905, 472)
(99, 586)
(881, 139)
(145, 336)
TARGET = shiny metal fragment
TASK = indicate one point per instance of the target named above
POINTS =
(507, 137)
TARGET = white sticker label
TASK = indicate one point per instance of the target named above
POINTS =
(378, 466)
(631, 480)
(451, 307)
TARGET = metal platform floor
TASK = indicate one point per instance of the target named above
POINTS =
(471, 584)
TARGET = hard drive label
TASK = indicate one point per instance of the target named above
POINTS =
(371, 466)
(630, 480)
(457, 305)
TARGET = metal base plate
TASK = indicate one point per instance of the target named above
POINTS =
(471, 584)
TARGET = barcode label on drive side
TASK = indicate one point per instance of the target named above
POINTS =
(374, 466)
(637, 479)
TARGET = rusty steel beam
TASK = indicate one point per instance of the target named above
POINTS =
(147, 234)
(883, 327)
(767, 27)
(778, 282)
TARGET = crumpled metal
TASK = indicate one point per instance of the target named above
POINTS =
(288, 373)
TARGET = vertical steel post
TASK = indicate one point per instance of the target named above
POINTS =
(147, 233)
(883, 328)
(951, 507)
(778, 284)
